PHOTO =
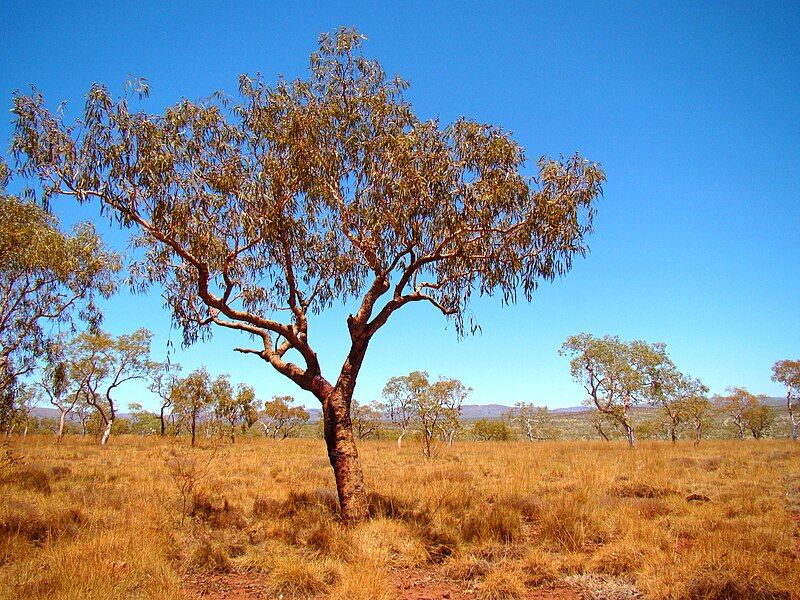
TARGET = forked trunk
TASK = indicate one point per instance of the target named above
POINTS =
(343, 456)
(106, 432)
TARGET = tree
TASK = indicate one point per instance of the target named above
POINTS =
(614, 374)
(103, 363)
(699, 411)
(535, 421)
(239, 409)
(192, 398)
(142, 422)
(787, 372)
(491, 431)
(62, 386)
(675, 393)
(734, 405)
(280, 418)
(366, 419)
(758, 417)
(47, 277)
(437, 405)
(164, 379)
(400, 394)
(300, 194)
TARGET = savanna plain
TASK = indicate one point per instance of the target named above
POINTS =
(150, 517)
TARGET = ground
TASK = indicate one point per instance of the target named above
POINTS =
(153, 518)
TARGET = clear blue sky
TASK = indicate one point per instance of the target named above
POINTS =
(693, 109)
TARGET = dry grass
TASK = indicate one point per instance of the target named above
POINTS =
(78, 521)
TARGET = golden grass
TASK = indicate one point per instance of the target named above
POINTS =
(80, 521)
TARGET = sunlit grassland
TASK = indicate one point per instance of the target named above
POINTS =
(80, 521)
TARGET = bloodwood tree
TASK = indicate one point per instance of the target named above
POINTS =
(298, 194)
(61, 384)
(787, 372)
(400, 394)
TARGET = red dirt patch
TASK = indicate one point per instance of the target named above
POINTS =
(411, 585)
(230, 586)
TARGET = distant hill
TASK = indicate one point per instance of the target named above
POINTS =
(468, 411)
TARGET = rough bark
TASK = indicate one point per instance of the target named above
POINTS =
(343, 456)
(631, 437)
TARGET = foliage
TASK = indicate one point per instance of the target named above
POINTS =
(787, 372)
(488, 430)
(280, 419)
(238, 409)
(534, 421)
(296, 195)
(103, 363)
(142, 422)
(48, 278)
(366, 419)
(192, 397)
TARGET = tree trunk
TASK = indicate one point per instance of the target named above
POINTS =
(343, 456)
(194, 429)
(794, 425)
(401, 436)
(61, 421)
(163, 421)
(106, 432)
(673, 434)
(629, 434)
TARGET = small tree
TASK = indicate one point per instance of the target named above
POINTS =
(239, 409)
(487, 430)
(48, 277)
(61, 386)
(301, 194)
(437, 406)
(534, 421)
(142, 422)
(787, 372)
(400, 394)
(103, 363)
(674, 394)
(164, 380)
(699, 411)
(193, 398)
(733, 407)
(279, 418)
(366, 419)
(758, 417)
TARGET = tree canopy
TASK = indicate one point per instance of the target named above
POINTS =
(47, 278)
(257, 212)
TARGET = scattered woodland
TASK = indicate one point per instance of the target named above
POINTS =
(256, 214)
